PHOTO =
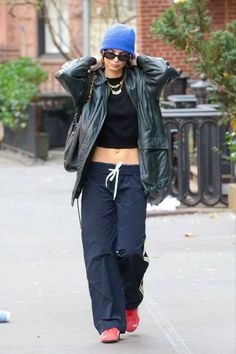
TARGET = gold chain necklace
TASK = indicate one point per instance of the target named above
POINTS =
(116, 89)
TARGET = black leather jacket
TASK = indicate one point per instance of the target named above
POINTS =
(144, 84)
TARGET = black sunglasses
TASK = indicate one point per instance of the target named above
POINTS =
(121, 56)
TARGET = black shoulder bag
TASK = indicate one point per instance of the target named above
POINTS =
(72, 139)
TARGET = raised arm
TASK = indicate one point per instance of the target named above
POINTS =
(157, 73)
(74, 76)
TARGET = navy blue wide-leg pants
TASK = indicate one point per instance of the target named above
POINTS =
(113, 235)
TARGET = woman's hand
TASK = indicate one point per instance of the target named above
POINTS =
(99, 59)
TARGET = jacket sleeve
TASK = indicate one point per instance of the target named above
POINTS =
(74, 77)
(157, 73)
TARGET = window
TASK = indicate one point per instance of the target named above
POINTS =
(55, 29)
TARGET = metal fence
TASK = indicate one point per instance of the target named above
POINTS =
(198, 155)
(201, 170)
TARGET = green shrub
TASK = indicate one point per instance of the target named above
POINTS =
(19, 81)
(230, 137)
(186, 25)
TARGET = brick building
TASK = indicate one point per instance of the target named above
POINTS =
(23, 31)
(220, 11)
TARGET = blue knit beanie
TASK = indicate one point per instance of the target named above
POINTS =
(119, 36)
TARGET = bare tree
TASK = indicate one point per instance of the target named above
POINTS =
(102, 13)
(41, 6)
(106, 12)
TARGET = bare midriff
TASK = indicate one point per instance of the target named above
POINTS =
(114, 155)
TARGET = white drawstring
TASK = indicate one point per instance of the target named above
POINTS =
(114, 174)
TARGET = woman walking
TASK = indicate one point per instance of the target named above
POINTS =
(122, 162)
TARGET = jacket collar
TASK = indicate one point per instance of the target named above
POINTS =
(100, 77)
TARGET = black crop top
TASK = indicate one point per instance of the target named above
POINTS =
(120, 128)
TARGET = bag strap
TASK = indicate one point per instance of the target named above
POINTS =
(90, 90)
(93, 78)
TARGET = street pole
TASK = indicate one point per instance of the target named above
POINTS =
(86, 27)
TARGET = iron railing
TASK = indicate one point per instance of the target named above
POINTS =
(201, 171)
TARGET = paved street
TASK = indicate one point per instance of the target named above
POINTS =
(189, 305)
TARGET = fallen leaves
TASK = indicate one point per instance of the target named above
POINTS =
(189, 234)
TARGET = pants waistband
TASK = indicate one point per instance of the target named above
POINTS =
(125, 169)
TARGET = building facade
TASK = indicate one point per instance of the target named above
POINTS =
(220, 11)
(24, 31)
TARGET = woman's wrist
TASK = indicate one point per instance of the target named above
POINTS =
(98, 59)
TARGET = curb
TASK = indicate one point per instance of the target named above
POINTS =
(182, 210)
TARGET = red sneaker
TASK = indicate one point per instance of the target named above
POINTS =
(110, 335)
(132, 320)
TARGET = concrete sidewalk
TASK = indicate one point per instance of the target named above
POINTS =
(189, 305)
